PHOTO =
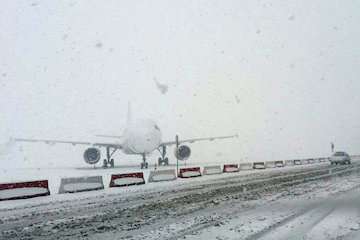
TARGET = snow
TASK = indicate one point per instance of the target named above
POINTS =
(18, 192)
(231, 169)
(208, 170)
(164, 177)
(128, 180)
(73, 187)
(191, 174)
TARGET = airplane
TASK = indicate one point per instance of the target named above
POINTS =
(140, 137)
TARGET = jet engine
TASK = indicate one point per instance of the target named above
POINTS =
(92, 155)
(183, 152)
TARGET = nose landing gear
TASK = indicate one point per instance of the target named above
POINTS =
(163, 160)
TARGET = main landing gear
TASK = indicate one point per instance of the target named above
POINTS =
(163, 160)
(109, 162)
(144, 164)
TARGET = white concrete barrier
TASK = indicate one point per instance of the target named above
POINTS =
(162, 175)
(259, 165)
(81, 184)
(189, 172)
(289, 162)
(209, 170)
(304, 161)
(23, 190)
(297, 162)
(279, 163)
(270, 164)
(230, 168)
(127, 179)
(246, 166)
(311, 161)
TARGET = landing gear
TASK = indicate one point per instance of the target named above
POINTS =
(144, 164)
(163, 160)
(109, 162)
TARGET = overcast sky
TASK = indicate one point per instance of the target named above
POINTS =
(282, 74)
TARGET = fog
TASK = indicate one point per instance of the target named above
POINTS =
(284, 75)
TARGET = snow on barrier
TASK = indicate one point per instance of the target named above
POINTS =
(304, 161)
(190, 172)
(81, 184)
(259, 165)
(297, 162)
(323, 159)
(208, 170)
(162, 175)
(127, 179)
(245, 166)
(270, 164)
(23, 190)
(289, 162)
(230, 168)
(279, 163)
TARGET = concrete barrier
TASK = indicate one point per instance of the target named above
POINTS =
(259, 165)
(289, 162)
(230, 168)
(270, 164)
(311, 161)
(189, 172)
(208, 170)
(304, 161)
(23, 190)
(245, 166)
(297, 162)
(279, 163)
(162, 175)
(81, 184)
(127, 179)
(323, 159)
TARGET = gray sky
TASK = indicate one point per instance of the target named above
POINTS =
(282, 74)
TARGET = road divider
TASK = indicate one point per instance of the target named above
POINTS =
(279, 163)
(209, 170)
(23, 190)
(304, 161)
(270, 164)
(189, 172)
(259, 165)
(289, 162)
(246, 166)
(311, 161)
(127, 179)
(162, 175)
(230, 168)
(81, 184)
(297, 162)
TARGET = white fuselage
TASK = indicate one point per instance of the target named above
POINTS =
(141, 136)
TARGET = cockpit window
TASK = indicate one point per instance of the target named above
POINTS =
(156, 127)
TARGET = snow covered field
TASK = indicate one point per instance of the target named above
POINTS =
(243, 205)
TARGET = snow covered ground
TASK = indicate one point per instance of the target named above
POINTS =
(244, 205)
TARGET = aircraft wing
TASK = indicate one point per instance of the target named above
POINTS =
(192, 140)
(49, 141)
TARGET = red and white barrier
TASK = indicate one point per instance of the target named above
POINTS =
(162, 175)
(230, 168)
(23, 190)
(189, 172)
(127, 179)
(245, 166)
(259, 165)
(279, 163)
(209, 170)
